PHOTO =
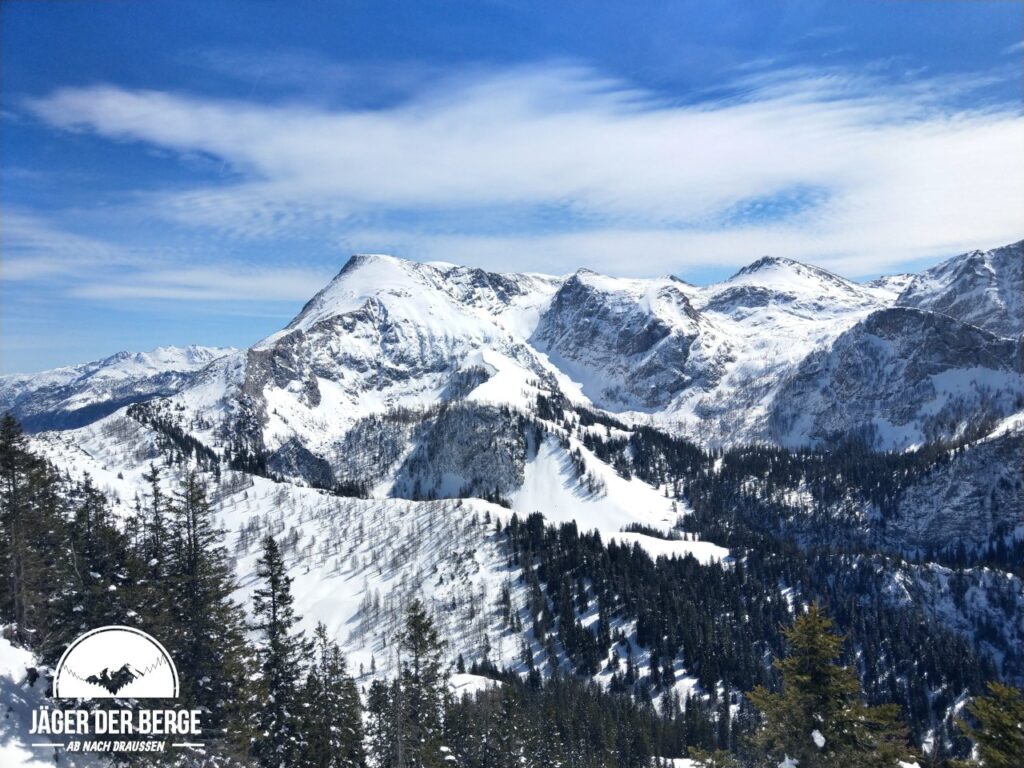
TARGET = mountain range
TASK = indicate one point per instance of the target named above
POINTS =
(781, 352)
(410, 404)
(77, 395)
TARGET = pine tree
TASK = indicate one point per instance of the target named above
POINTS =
(332, 720)
(999, 729)
(725, 722)
(13, 516)
(104, 590)
(154, 523)
(153, 549)
(716, 759)
(381, 733)
(819, 719)
(422, 691)
(209, 632)
(281, 653)
(34, 563)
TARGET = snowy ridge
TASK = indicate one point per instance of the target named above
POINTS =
(389, 333)
(984, 288)
(358, 562)
(123, 365)
(711, 363)
(74, 395)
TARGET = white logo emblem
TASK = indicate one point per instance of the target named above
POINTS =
(115, 662)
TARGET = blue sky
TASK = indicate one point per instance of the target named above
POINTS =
(191, 172)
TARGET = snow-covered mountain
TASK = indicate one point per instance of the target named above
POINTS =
(768, 318)
(76, 395)
(724, 364)
(431, 381)
(624, 344)
(898, 378)
(984, 288)
(410, 407)
(420, 381)
(779, 352)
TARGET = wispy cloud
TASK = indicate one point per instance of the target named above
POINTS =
(899, 173)
(34, 248)
(37, 249)
(316, 77)
(221, 283)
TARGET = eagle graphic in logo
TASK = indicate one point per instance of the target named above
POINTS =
(115, 682)
(115, 661)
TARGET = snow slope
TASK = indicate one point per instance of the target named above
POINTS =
(551, 486)
(75, 395)
(983, 288)
(356, 563)
(19, 700)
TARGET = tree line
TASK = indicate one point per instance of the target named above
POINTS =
(273, 696)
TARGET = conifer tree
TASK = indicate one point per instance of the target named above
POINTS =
(209, 631)
(332, 719)
(717, 759)
(154, 523)
(154, 551)
(34, 567)
(725, 722)
(381, 734)
(98, 556)
(999, 728)
(281, 655)
(819, 719)
(103, 589)
(13, 515)
(422, 691)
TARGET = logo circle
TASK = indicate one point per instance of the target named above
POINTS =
(116, 662)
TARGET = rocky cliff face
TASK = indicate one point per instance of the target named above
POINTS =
(983, 288)
(901, 377)
(626, 342)
(973, 498)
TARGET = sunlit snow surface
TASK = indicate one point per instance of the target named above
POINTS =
(19, 700)
(389, 334)
(357, 562)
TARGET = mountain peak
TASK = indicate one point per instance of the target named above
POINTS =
(983, 288)
(781, 264)
(766, 262)
(357, 260)
(364, 275)
(794, 278)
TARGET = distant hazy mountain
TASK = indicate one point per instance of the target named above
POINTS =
(64, 398)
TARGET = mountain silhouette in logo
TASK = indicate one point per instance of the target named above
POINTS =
(115, 682)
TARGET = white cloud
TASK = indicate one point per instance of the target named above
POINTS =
(37, 249)
(901, 176)
(220, 283)
(34, 249)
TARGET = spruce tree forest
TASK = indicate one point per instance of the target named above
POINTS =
(840, 677)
